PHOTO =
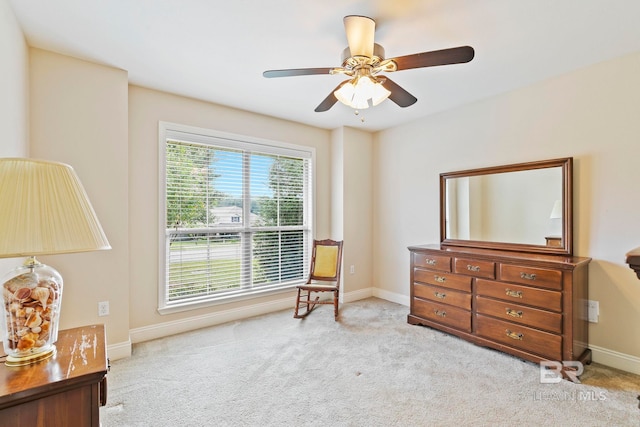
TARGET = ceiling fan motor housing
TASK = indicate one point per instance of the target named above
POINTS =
(378, 55)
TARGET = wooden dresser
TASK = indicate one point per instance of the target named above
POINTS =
(65, 390)
(533, 306)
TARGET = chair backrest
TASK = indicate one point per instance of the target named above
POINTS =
(326, 260)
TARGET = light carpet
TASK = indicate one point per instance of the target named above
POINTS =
(370, 368)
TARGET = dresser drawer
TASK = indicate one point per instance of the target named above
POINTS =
(531, 276)
(442, 295)
(543, 298)
(472, 267)
(545, 344)
(529, 316)
(442, 313)
(433, 262)
(445, 280)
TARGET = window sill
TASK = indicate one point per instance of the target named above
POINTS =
(225, 299)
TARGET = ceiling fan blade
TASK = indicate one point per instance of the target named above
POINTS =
(398, 94)
(454, 55)
(296, 72)
(330, 100)
(360, 31)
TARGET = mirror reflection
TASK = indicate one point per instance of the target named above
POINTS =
(523, 207)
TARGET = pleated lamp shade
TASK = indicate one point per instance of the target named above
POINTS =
(45, 210)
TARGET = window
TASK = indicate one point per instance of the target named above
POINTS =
(235, 216)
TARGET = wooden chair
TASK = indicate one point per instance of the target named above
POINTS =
(324, 276)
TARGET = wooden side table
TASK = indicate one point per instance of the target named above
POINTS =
(64, 390)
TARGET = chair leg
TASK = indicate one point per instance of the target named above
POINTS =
(335, 305)
(295, 313)
(306, 301)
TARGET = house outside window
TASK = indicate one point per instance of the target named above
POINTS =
(235, 215)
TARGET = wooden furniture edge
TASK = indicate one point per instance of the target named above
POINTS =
(633, 259)
(66, 384)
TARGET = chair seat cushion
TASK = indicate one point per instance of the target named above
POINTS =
(312, 287)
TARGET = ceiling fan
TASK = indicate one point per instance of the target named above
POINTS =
(363, 61)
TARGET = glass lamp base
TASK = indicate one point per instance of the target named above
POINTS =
(30, 309)
(32, 358)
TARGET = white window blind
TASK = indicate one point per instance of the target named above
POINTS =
(236, 218)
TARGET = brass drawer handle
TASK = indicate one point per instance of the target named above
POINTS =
(515, 294)
(430, 261)
(473, 267)
(514, 335)
(514, 313)
(440, 313)
(527, 276)
(440, 295)
(440, 279)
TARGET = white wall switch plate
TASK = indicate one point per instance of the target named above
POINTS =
(593, 309)
(103, 308)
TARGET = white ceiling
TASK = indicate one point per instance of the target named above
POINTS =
(216, 50)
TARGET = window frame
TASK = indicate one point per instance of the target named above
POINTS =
(168, 130)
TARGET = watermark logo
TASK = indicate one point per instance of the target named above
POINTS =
(575, 395)
(552, 372)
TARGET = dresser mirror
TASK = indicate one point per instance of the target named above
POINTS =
(520, 207)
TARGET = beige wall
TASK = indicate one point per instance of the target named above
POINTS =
(148, 107)
(355, 150)
(14, 87)
(78, 116)
(337, 185)
(590, 115)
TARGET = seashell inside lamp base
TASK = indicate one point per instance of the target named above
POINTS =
(31, 298)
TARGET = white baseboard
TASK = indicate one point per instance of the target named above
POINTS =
(164, 329)
(120, 350)
(357, 295)
(391, 296)
(378, 293)
(146, 333)
(614, 359)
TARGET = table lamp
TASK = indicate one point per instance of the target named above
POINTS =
(44, 210)
(556, 210)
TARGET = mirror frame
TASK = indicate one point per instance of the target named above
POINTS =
(566, 165)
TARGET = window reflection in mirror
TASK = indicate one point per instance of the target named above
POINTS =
(511, 207)
(522, 207)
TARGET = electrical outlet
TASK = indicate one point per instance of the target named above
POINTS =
(103, 308)
(352, 269)
(593, 310)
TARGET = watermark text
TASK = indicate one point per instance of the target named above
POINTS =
(552, 371)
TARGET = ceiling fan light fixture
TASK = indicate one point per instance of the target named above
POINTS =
(357, 93)
(351, 94)
(380, 93)
(345, 92)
